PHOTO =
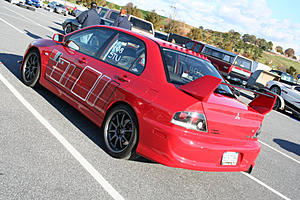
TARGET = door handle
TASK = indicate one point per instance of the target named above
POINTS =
(82, 60)
(123, 78)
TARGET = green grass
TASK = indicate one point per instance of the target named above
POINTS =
(276, 61)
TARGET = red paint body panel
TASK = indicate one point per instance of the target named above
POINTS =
(93, 88)
(208, 84)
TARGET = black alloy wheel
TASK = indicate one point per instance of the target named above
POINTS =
(31, 70)
(68, 29)
(120, 132)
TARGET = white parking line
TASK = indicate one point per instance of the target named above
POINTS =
(11, 26)
(96, 175)
(266, 186)
(297, 161)
(48, 29)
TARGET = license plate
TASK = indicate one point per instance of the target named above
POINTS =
(230, 158)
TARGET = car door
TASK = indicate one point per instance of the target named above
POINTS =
(293, 95)
(71, 67)
(121, 61)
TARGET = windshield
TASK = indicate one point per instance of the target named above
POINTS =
(183, 68)
(140, 24)
(243, 63)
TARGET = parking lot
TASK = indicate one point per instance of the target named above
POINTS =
(48, 150)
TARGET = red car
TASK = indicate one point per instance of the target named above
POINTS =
(151, 97)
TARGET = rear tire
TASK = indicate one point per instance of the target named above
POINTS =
(121, 132)
(276, 89)
(31, 70)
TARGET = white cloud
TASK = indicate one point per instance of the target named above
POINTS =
(244, 16)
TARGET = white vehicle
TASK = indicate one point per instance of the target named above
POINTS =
(141, 26)
(289, 92)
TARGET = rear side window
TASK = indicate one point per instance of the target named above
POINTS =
(90, 41)
(243, 63)
(126, 52)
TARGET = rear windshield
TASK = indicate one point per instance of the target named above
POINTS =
(113, 15)
(140, 24)
(103, 12)
(287, 77)
(218, 54)
(183, 68)
(243, 63)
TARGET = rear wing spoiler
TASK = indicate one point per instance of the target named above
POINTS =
(203, 87)
(263, 103)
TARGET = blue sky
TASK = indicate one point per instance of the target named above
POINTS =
(275, 20)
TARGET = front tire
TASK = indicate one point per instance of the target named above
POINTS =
(31, 70)
(68, 29)
(120, 132)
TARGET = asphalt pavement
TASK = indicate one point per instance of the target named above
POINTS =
(48, 150)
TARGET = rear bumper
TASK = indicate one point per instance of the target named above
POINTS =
(178, 148)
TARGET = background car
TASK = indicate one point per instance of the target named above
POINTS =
(151, 98)
(61, 9)
(288, 90)
(35, 3)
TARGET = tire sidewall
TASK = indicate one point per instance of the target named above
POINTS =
(35, 80)
(68, 25)
(279, 93)
(130, 149)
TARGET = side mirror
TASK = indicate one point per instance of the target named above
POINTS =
(58, 38)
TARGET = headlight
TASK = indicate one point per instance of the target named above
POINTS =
(257, 132)
(190, 120)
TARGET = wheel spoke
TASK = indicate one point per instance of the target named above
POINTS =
(121, 145)
(122, 119)
(128, 131)
(112, 123)
(127, 121)
(114, 136)
(118, 121)
(126, 141)
(115, 145)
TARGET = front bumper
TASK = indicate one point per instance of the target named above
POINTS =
(176, 147)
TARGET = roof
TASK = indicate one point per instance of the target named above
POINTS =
(176, 47)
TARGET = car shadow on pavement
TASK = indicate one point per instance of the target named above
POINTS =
(34, 36)
(289, 146)
(59, 24)
(57, 30)
(10, 61)
(93, 132)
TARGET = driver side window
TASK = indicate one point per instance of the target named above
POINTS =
(90, 41)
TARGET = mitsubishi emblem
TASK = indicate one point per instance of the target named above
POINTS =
(237, 117)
